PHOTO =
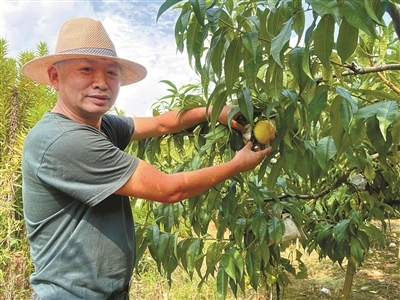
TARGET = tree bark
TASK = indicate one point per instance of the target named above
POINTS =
(348, 281)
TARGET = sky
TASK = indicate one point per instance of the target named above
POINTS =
(131, 25)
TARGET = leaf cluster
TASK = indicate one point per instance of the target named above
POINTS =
(318, 69)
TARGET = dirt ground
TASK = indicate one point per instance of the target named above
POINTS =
(377, 279)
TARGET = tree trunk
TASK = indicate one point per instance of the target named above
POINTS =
(348, 281)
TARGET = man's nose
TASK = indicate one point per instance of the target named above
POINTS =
(100, 80)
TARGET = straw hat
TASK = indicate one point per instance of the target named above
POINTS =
(83, 38)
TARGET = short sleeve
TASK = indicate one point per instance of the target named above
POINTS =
(84, 164)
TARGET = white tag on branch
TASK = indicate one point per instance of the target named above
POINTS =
(358, 181)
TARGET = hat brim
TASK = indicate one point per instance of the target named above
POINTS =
(36, 69)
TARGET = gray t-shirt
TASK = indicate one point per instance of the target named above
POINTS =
(81, 234)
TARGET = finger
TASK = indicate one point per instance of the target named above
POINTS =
(249, 145)
(236, 125)
(267, 150)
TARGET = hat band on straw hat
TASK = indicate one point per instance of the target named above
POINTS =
(91, 51)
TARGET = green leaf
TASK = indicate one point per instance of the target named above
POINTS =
(296, 57)
(396, 138)
(213, 256)
(299, 24)
(340, 119)
(373, 232)
(274, 80)
(259, 225)
(323, 231)
(141, 243)
(162, 252)
(346, 95)
(172, 265)
(340, 230)
(275, 229)
(168, 217)
(245, 101)
(324, 39)
(228, 203)
(253, 264)
(213, 16)
(250, 41)
(165, 6)
(199, 9)
(256, 193)
(303, 271)
(326, 149)
(306, 58)
(326, 7)
(153, 237)
(385, 108)
(233, 58)
(265, 252)
(238, 261)
(181, 27)
(222, 283)
(356, 250)
(227, 263)
(347, 40)
(371, 6)
(217, 49)
(318, 103)
(291, 158)
(386, 115)
(375, 136)
(251, 69)
(346, 115)
(191, 255)
(238, 231)
(358, 158)
(337, 129)
(263, 167)
(377, 94)
(275, 172)
(364, 240)
(356, 15)
(193, 31)
(279, 42)
(218, 105)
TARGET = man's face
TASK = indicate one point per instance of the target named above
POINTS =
(87, 88)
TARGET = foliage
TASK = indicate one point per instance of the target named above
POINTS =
(324, 72)
(21, 105)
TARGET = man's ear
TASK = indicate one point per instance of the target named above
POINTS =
(53, 76)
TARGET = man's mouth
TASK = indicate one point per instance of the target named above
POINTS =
(100, 97)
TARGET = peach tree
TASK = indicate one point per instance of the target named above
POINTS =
(326, 73)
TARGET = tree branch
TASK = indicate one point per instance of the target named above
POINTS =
(356, 70)
(385, 80)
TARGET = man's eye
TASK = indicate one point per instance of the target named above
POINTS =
(86, 69)
(113, 73)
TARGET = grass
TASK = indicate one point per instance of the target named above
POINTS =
(150, 284)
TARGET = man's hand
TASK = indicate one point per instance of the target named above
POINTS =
(223, 118)
(247, 159)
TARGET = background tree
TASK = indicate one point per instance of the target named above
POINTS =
(22, 103)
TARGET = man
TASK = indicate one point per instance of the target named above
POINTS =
(77, 178)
